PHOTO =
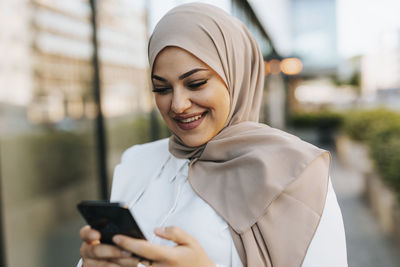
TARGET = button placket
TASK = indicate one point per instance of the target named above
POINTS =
(180, 179)
(141, 192)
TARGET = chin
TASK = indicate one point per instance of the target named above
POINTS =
(193, 141)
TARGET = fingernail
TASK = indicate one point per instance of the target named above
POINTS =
(94, 235)
(116, 239)
(94, 242)
(126, 253)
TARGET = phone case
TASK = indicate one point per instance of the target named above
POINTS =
(110, 218)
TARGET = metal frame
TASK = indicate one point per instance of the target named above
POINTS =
(99, 128)
(2, 246)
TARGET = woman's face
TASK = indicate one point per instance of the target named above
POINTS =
(191, 97)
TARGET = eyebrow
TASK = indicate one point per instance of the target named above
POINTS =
(183, 76)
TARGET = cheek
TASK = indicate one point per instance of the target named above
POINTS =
(226, 103)
(223, 102)
(162, 103)
(216, 98)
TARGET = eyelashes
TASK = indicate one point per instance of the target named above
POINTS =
(159, 90)
(191, 86)
(195, 85)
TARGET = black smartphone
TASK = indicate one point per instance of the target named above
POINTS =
(110, 218)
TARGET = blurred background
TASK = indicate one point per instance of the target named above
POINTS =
(75, 93)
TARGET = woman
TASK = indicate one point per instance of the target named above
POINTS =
(223, 190)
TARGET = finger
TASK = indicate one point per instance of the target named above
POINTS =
(144, 248)
(97, 263)
(132, 261)
(102, 251)
(88, 234)
(176, 234)
(147, 262)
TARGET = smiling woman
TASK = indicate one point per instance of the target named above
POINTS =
(192, 99)
(223, 190)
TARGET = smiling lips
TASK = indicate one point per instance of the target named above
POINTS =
(191, 121)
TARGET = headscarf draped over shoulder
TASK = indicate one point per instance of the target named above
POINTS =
(268, 185)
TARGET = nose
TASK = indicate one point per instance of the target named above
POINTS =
(180, 101)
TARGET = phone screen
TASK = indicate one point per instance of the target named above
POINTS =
(110, 218)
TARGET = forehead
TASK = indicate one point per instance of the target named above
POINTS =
(175, 59)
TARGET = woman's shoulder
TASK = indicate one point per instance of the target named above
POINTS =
(264, 133)
(328, 246)
(143, 151)
(138, 164)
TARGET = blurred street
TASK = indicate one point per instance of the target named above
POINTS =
(367, 246)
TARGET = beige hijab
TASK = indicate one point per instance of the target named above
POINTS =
(269, 186)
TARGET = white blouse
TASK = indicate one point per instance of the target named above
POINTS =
(166, 198)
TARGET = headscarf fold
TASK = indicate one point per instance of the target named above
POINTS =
(251, 174)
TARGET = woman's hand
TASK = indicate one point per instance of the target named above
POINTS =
(95, 254)
(187, 252)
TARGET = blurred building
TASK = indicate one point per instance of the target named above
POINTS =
(302, 28)
(381, 66)
(46, 78)
(380, 70)
(305, 30)
(314, 35)
(15, 71)
(15, 63)
(276, 18)
(123, 37)
(158, 8)
(47, 51)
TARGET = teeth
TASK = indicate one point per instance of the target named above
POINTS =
(195, 118)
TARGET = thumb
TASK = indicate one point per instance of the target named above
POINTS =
(176, 234)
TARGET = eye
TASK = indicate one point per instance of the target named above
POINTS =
(195, 85)
(161, 90)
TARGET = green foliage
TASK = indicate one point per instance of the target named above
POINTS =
(139, 129)
(324, 119)
(355, 79)
(380, 130)
(363, 125)
(385, 150)
(126, 132)
(44, 162)
(48, 160)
